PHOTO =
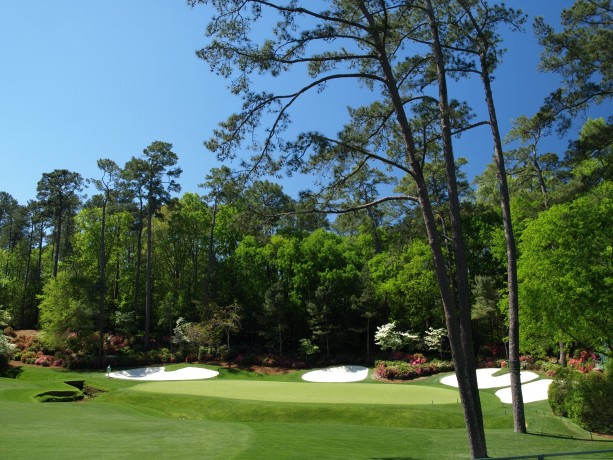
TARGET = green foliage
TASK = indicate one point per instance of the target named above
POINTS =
(565, 275)
(66, 308)
(485, 297)
(57, 193)
(5, 317)
(560, 390)
(406, 282)
(582, 53)
(226, 319)
(307, 348)
(590, 156)
(587, 399)
(191, 337)
(591, 404)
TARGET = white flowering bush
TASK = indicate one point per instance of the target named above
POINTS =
(389, 338)
(180, 337)
(6, 350)
(433, 338)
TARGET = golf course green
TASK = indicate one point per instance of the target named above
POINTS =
(297, 392)
(244, 415)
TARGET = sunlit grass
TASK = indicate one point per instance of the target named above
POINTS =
(296, 392)
(133, 419)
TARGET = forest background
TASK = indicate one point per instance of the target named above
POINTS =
(242, 258)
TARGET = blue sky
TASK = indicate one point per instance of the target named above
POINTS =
(83, 80)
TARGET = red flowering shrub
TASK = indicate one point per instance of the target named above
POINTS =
(584, 362)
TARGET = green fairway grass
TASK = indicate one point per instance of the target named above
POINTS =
(178, 420)
(82, 431)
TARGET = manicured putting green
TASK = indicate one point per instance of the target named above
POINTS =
(294, 392)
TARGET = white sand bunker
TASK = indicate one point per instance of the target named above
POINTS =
(337, 374)
(486, 379)
(531, 392)
(159, 374)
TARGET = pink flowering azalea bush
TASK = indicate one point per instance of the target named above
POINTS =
(403, 370)
(413, 359)
(44, 360)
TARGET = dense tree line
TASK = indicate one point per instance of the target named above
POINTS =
(302, 275)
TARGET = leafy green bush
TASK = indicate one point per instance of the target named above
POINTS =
(559, 392)
(552, 369)
(587, 399)
(29, 357)
(590, 405)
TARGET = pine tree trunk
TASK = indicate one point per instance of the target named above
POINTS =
(58, 233)
(208, 289)
(139, 249)
(464, 370)
(465, 364)
(102, 282)
(148, 291)
(26, 279)
(519, 419)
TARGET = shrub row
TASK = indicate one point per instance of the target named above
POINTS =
(401, 370)
(587, 399)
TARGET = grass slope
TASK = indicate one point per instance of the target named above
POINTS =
(77, 430)
(131, 421)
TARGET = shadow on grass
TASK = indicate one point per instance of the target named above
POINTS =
(563, 436)
(394, 458)
(232, 370)
(11, 372)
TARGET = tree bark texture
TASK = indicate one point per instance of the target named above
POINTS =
(519, 419)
